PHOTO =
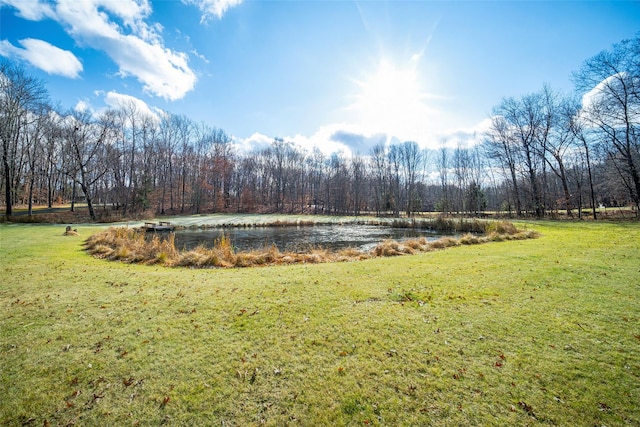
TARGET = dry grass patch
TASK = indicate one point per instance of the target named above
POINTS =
(471, 239)
(417, 244)
(445, 242)
(387, 248)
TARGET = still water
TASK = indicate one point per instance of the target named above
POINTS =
(301, 239)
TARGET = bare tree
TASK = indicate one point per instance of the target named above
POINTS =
(85, 141)
(184, 134)
(557, 138)
(380, 171)
(52, 155)
(33, 145)
(413, 161)
(610, 82)
(317, 170)
(577, 127)
(20, 94)
(223, 165)
(358, 187)
(525, 122)
(395, 163)
(443, 168)
(337, 187)
(501, 147)
(462, 172)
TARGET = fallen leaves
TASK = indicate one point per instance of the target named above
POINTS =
(526, 407)
(459, 374)
(165, 400)
(603, 407)
(242, 311)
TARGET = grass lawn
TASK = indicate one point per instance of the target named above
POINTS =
(543, 331)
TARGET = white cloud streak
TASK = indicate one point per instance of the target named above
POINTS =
(351, 139)
(212, 8)
(45, 56)
(330, 139)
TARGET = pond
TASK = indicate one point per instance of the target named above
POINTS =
(301, 238)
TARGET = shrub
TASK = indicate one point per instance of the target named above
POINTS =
(101, 251)
(350, 252)
(416, 244)
(470, 239)
(444, 242)
(502, 227)
(313, 258)
(387, 248)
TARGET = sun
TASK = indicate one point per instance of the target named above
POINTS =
(392, 100)
(389, 88)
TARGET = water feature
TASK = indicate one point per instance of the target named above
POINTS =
(301, 238)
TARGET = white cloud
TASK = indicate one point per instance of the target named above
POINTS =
(83, 106)
(201, 57)
(130, 11)
(464, 137)
(162, 71)
(257, 141)
(136, 46)
(45, 56)
(119, 100)
(33, 10)
(212, 8)
(335, 138)
(603, 103)
(602, 90)
(348, 139)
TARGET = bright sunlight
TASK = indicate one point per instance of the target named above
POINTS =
(392, 100)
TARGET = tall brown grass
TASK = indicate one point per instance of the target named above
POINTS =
(133, 246)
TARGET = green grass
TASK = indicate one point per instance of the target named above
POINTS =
(542, 331)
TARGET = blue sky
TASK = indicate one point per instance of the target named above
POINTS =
(339, 75)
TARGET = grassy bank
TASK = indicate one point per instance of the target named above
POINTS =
(528, 332)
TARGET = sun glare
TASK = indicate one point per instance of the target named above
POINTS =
(392, 100)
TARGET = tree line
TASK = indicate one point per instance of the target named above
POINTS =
(544, 153)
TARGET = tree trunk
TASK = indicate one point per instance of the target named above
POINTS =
(7, 186)
(592, 193)
(565, 187)
(30, 210)
(516, 191)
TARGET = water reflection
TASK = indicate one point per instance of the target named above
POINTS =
(301, 239)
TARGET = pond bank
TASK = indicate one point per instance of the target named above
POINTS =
(130, 245)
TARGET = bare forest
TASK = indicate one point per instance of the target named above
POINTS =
(545, 154)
